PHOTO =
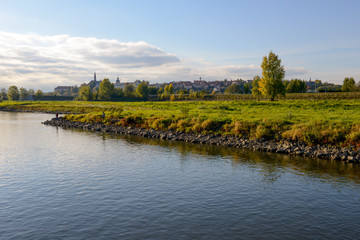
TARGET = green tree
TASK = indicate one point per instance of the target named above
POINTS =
(295, 86)
(106, 90)
(23, 93)
(3, 94)
(271, 83)
(129, 90)
(39, 94)
(246, 88)
(233, 89)
(118, 93)
(142, 90)
(153, 90)
(85, 93)
(255, 87)
(348, 85)
(13, 93)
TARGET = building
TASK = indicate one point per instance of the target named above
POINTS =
(94, 84)
(118, 84)
(62, 89)
(121, 85)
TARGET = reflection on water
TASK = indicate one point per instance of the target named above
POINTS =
(69, 184)
(270, 164)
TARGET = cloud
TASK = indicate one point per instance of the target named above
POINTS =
(296, 72)
(49, 61)
(68, 60)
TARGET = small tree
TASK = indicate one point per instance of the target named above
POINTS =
(233, 89)
(255, 87)
(39, 94)
(106, 90)
(168, 90)
(142, 90)
(3, 94)
(153, 90)
(24, 94)
(13, 93)
(271, 83)
(348, 85)
(85, 93)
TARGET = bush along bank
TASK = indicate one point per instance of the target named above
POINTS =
(283, 146)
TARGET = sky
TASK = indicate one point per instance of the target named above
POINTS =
(44, 44)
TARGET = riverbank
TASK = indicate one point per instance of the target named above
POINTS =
(283, 147)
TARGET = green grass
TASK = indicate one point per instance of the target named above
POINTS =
(312, 121)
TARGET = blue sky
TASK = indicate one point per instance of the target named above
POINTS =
(44, 44)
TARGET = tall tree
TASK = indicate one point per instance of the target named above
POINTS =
(39, 94)
(255, 87)
(129, 90)
(106, 90)
(348, 84)
(246, 88)
(13, 93)
(24, 93)
(273, 73)
(168, 90)
(85, 93)
(142, 90)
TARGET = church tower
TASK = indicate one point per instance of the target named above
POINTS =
(94, 76)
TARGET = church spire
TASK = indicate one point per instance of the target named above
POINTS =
(94, 76)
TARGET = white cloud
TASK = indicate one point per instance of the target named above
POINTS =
(34, 61)
(63, 59)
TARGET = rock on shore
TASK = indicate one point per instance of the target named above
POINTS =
(283, 147)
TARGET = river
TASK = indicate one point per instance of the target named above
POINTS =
(68, 184)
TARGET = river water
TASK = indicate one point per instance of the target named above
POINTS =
(68, 184)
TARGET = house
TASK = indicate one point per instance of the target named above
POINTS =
(118, 84)
(62, 89)
(121, 85)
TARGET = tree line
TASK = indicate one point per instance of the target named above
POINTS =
(108, 92)
(13, 93)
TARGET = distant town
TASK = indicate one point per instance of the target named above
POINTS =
(208, 87)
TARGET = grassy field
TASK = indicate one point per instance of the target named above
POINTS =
(312, 121)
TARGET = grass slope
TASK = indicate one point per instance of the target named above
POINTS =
(312, 121)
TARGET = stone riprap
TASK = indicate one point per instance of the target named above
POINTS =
(284, 146)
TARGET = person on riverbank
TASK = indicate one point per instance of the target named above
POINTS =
(57, 116)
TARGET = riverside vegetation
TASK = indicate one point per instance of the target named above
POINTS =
(326, 122)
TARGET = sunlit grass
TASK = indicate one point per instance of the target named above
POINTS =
(312, 121)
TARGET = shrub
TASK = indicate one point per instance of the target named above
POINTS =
(210, 125)
(161, 123)
(354, 136)
(184, 111)
(132, 121)
(182, 125)
(263, 132)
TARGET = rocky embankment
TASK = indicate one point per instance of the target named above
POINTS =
(284, 147)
